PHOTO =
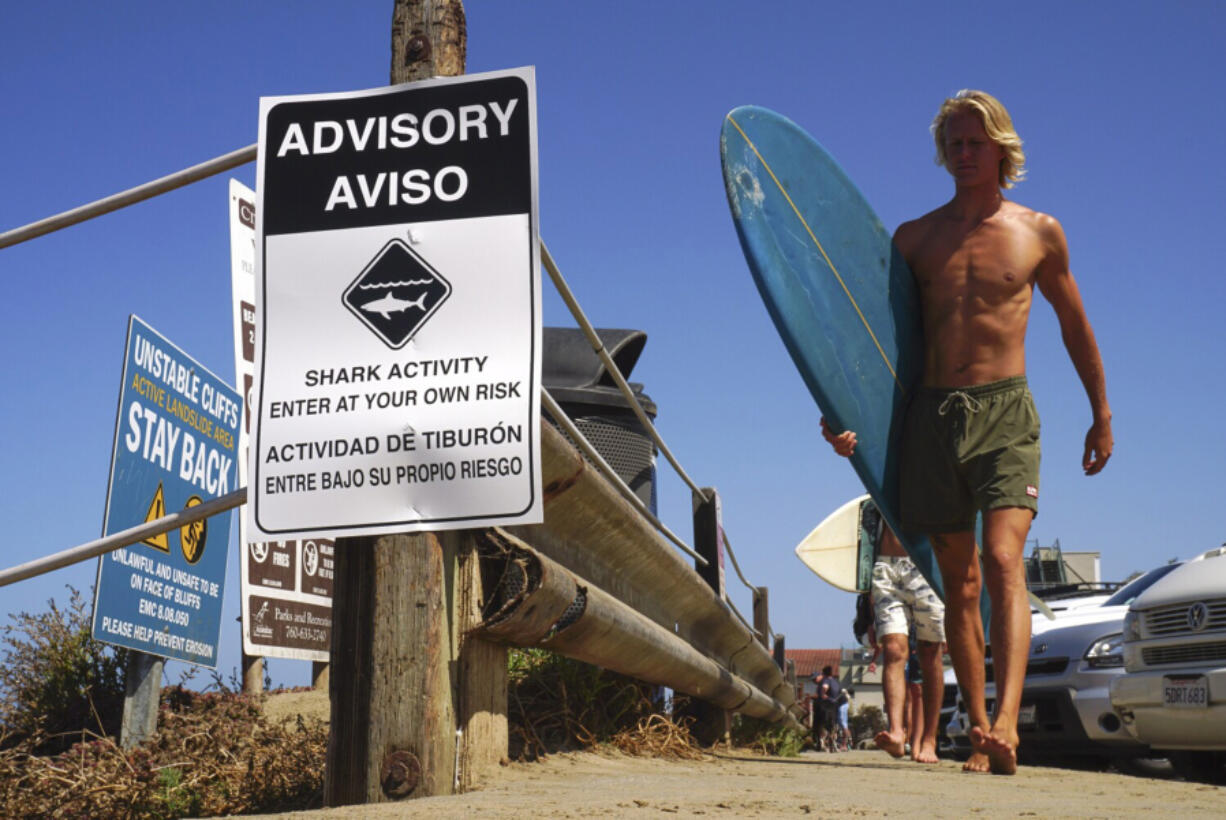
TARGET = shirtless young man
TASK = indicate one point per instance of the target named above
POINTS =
(970, 441)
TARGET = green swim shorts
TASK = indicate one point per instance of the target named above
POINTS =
(966, 450)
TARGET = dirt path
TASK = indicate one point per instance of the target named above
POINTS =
(859, 784)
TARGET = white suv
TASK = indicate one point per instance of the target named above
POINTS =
(1173, 695)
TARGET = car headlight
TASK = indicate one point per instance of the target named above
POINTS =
(1106, 652)
(1132, 626)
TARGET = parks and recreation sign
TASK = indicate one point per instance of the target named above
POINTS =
(285, 586)
(176, 439)
(398, 310)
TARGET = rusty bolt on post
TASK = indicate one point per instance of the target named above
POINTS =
(400, 774)
(416, 50)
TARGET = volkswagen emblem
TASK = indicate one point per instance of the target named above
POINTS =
(1198, 616)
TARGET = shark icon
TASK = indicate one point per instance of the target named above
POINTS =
(389, 304)
(396, 294)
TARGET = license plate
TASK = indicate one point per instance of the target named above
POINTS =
(1185, 693)
(1026, 715)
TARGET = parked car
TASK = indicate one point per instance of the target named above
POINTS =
(1173, 693)
(1066, 708)
(1067, 597)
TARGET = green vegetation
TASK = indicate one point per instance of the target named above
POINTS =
(56, 681)
(767, 738)
(214, 753)
(555, 703)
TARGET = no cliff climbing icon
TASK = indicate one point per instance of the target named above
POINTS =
(396, 293)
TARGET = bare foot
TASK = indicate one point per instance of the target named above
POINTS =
(1000, 749)
(977, 762)
(925, 752)
(892, 745)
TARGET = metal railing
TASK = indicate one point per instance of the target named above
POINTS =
(129, 197)
(123, 538)
(249, 154)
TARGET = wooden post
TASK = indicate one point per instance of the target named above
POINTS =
(392, 713)
(711, 724)
(143, 691)
(481, 685)
(780, 654)
(320, 674)
(412, 684)
(761, 615)
(253, 674)
(709, 539)
(401, 607)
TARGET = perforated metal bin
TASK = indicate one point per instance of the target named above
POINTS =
(577, 379)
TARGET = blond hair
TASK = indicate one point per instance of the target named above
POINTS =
(996, 122)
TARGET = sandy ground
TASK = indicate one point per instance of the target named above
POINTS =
(859, 784)
(288, 705)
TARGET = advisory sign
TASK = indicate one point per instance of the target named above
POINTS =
(398, 310)
(285, 586)
(176, 438)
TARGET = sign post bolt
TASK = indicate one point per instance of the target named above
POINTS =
(401, 774)
(416, 50)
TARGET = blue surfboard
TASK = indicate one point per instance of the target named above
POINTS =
(840, 294)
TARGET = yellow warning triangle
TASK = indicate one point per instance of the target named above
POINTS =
(157, 509)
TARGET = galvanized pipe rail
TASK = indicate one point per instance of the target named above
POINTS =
(129, 197)
(598, 536)
(123, 538)
(541, 604)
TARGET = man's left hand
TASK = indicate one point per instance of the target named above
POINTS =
(1099, 443)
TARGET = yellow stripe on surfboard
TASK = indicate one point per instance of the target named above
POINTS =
(822, 250)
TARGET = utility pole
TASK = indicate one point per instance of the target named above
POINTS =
(429, 39)
(418, 708)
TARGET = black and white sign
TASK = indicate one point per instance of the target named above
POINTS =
(286, 613)
(398, 310)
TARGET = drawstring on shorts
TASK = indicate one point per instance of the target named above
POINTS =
(968, 402)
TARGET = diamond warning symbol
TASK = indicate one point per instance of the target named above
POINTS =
(396, 293)
(157, 509)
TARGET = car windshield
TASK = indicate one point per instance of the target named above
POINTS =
(1136, 586)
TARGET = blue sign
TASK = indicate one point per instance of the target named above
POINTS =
(176, 446)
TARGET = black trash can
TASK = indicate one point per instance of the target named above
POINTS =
(579, 382)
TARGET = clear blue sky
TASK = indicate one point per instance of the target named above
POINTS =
(1120, 106)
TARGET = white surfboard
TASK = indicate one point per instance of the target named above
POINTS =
(839, 549)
